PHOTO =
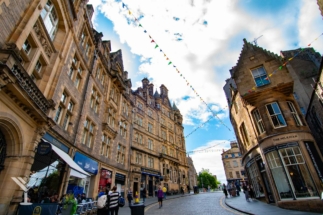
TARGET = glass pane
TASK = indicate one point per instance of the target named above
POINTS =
(283, 152)
(286, 161)
(296, 151)
(270, 109)
(292, 160)
(275, 121)
(265, 80)
(261, 71)
(290, 152)
(299, 159)
(281, 119)
(275, 107)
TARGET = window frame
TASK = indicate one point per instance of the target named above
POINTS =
(276, 115)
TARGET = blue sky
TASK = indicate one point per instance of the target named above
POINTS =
(203, 39)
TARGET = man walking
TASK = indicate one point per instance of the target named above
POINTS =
(164, 191)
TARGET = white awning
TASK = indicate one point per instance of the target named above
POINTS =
(68, 159)
(77, 174)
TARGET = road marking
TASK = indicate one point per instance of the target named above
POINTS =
(227, 208)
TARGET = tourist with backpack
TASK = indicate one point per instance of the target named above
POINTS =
(103, 202)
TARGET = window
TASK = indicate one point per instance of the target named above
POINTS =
(139, 138)
(171, 139)
(235, 164)
(171, 152)
(294, 114)
(139, 120)
(163, 135)
(88, 133)
(170, 126)
(150, 144)
(26, 47)
(227, 164)
(164, 150)
(150, 113)
(38, 66)
(258, 120)
(232, 155)
(75, 72)
(111, 117)
(260, 76)
(138, 158)
(123, 129)
(121, 154)
(95, 100)
(238, 174)
(105, 146)
(174, 174)
(64, 111)
(230, 175)
(113, 95)
(150, 162)
(150, 127)
(140, 106)
(125, 108)
(297, 172)
(50, 19)
(226, 156)
(244, 134)
(276, 116)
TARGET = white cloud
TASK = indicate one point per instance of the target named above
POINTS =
(210, 158)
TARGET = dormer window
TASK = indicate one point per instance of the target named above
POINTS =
(260, 76)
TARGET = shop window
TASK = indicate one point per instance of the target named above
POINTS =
(276, 116)
(88, 133)
(50, 19)
(138, 158)
(95, 100)
(150, 144)
(111, 117)
(258, 121)
(294, 114)
(121, 154)
(297, 172)
(260, 76)
(244, 134)
(150, 162)
(254, 179)
(279, 175)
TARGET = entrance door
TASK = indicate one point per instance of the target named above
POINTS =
(264, 177)
(150, 188)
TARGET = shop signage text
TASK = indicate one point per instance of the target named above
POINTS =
(44, 148)
(286, 137)
(316, 160)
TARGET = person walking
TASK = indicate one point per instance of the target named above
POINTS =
(164, 192)
(238, 188)
(225, 190)
(144, 195)
(251, 193)
(105, 210)
(129, 196)
(229, 189)
(246, 192)
(114, 201)
(160, 195)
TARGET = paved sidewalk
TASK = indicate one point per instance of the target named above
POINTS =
(149, 201)
(256, 207)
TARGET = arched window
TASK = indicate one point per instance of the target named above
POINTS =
(50, 19)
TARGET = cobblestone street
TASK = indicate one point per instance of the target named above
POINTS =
(207, 203)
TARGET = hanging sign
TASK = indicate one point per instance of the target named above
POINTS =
(44, 148)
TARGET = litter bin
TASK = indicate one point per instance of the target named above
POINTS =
(137, 209)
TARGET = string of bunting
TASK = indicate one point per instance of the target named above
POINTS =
(207, 149)
(170, 62)
(284, 64)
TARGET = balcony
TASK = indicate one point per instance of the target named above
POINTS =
(19, 84)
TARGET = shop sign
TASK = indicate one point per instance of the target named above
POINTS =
(120, 177)
(86, 163)
(38, 209)
(149, 172)
(315, 157)
(56, 143)
(44, 148)
(288, 137)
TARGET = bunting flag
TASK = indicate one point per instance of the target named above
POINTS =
(208, 149)
(281, 66)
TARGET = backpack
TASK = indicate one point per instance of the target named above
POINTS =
(121, 201)
(102, 201)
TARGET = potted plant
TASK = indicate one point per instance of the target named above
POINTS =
(69, 205)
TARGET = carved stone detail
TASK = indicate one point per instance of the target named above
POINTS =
(42, 37)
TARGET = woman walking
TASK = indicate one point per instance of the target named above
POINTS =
(113, 201)
(160, 196)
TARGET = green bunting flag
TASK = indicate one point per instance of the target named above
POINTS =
(156, 46)
(140, 25)
(170, 62)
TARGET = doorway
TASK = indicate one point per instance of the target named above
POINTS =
(150, 187)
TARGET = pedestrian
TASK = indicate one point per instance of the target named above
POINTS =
(238, 188)
(229, 189)
(188, 189)
(129, 196)
(114, 201)
(246, 192)
(251, 192)
(164, 191)
(225, 191)
(104, 210)
(160, 195)
(182, 191)
(144, 195)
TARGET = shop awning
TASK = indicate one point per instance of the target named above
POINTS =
(77, 174)
(68, 160)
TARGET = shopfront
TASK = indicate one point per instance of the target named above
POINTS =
(290, 171)
(48, 169)
(80, 183)
(150, 179)
(105, 179)
(120, 182)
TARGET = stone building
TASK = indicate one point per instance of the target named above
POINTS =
(232, 164)
(67, 110)
(192, 174)
(158, 152)
(320, 4)
(276, 144)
